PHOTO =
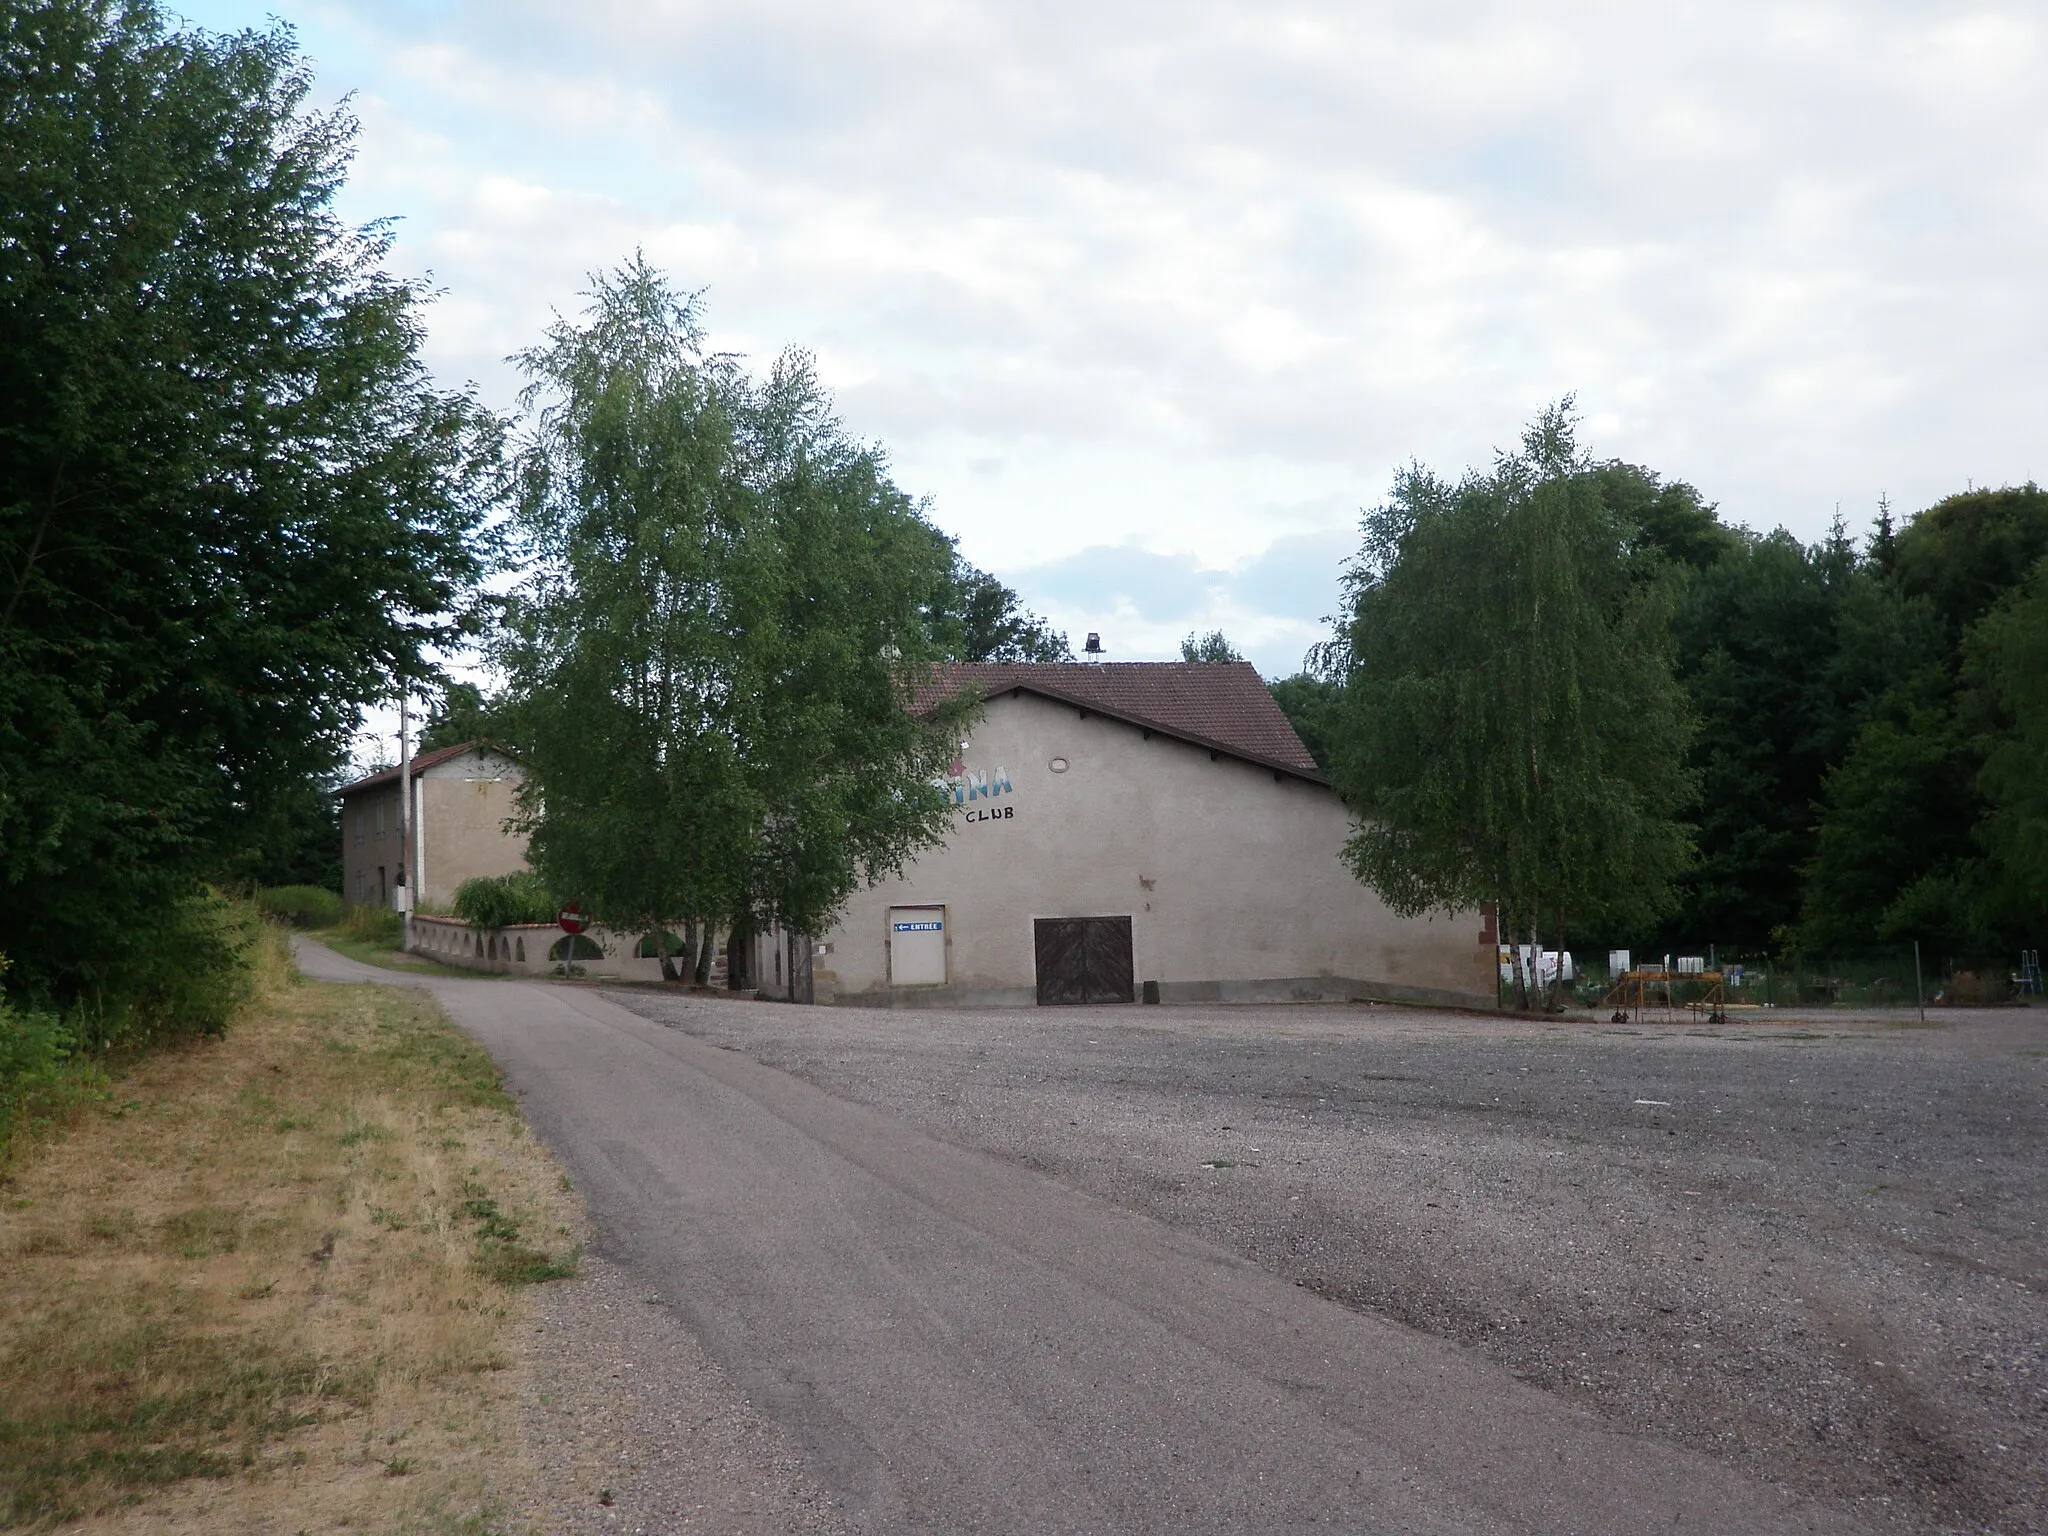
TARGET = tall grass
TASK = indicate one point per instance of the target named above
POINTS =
(303, 906)
(371, 925)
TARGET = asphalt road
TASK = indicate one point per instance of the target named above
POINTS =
(1811, 1248)
(958, 1342)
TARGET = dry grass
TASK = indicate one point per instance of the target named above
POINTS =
(267, 1285)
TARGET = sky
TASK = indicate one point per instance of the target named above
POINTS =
(1151, 300)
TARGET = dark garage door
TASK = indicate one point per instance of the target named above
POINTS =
(1083, 959)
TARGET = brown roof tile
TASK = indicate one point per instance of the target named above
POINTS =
(420, 764)
(1221, 705)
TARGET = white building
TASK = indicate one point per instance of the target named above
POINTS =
(1136, 830)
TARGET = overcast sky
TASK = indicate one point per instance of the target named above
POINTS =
(1151, 299)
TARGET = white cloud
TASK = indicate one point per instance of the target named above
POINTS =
(1193, 279)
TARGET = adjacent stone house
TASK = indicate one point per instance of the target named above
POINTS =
(463, 797)
(1136, 830)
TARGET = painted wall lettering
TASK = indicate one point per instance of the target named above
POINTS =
(965, 785)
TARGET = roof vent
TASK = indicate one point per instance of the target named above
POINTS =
(1094, 645)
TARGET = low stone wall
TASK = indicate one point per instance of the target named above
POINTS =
(535, 949)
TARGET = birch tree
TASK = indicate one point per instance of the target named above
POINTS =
(1510, 732)
(709, 661)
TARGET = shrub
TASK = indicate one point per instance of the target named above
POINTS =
(42, 1075)
(496, 901)
(303, 906)
(198, 974)
(650, 947)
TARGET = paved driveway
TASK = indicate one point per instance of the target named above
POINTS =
(958, 1343)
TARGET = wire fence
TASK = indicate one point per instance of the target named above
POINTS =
(1887, 977)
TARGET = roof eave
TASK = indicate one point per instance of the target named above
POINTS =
(1221, 748)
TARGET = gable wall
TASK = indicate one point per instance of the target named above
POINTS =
(1231, 878)
(465, 802)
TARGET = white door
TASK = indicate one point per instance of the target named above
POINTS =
(917, 946)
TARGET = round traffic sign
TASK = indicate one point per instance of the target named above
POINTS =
(572, 919)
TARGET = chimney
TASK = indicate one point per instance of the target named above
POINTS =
(1093, 649)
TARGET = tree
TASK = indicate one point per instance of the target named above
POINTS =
(232, 506)
(1210, 647)
(2009, 667)
(1511, 732)
(1311, 704)
(1883, 866)
(1786, 650)
(461, 714)
(977, 618)
(1965, 552)
(710, 668)
(1668, 518)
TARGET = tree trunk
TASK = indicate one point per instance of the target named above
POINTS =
(668, 966)
(707, 950)
(739, 955)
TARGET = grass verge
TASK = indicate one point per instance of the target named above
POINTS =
(266, 1283)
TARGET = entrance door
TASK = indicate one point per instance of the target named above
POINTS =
(917, 946)
(1083, 959)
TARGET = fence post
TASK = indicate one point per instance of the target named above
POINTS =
(1919, 992)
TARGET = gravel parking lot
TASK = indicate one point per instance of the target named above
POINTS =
(1812, 1247)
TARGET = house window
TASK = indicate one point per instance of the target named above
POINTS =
(380, 815)
(355, 814)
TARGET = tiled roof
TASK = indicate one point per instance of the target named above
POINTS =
(1224, 706)
(420, 765)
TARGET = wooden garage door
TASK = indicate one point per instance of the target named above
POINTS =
(1083, 959)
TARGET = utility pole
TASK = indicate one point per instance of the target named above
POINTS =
(405, 848)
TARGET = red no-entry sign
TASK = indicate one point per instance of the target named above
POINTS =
(572, 919)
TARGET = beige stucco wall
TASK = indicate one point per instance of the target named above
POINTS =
(464, 803)
(1231, 877)
(464, 807)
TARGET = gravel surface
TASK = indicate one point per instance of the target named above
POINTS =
(1812, 1248)
(629, 1430)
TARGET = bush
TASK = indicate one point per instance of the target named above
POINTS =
(303, 906)
(207, 957)
(42, 1074)
(198, 973)
(496, 901)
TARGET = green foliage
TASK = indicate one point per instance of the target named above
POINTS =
(710, 665)
(2008, 665)
(200, 973)
(977, 618)
(495, 901)
(1667, 519)
(1510, 731)
(1894, 830)
(1213, 646)
(460, 715)
(372, 925)
(1785, 651)
(303, 906)
(1311, 705)
(653, 946)
(1965, 552)
(578, 946)
(43, 1074)
(232, 506)
(1926, 823)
